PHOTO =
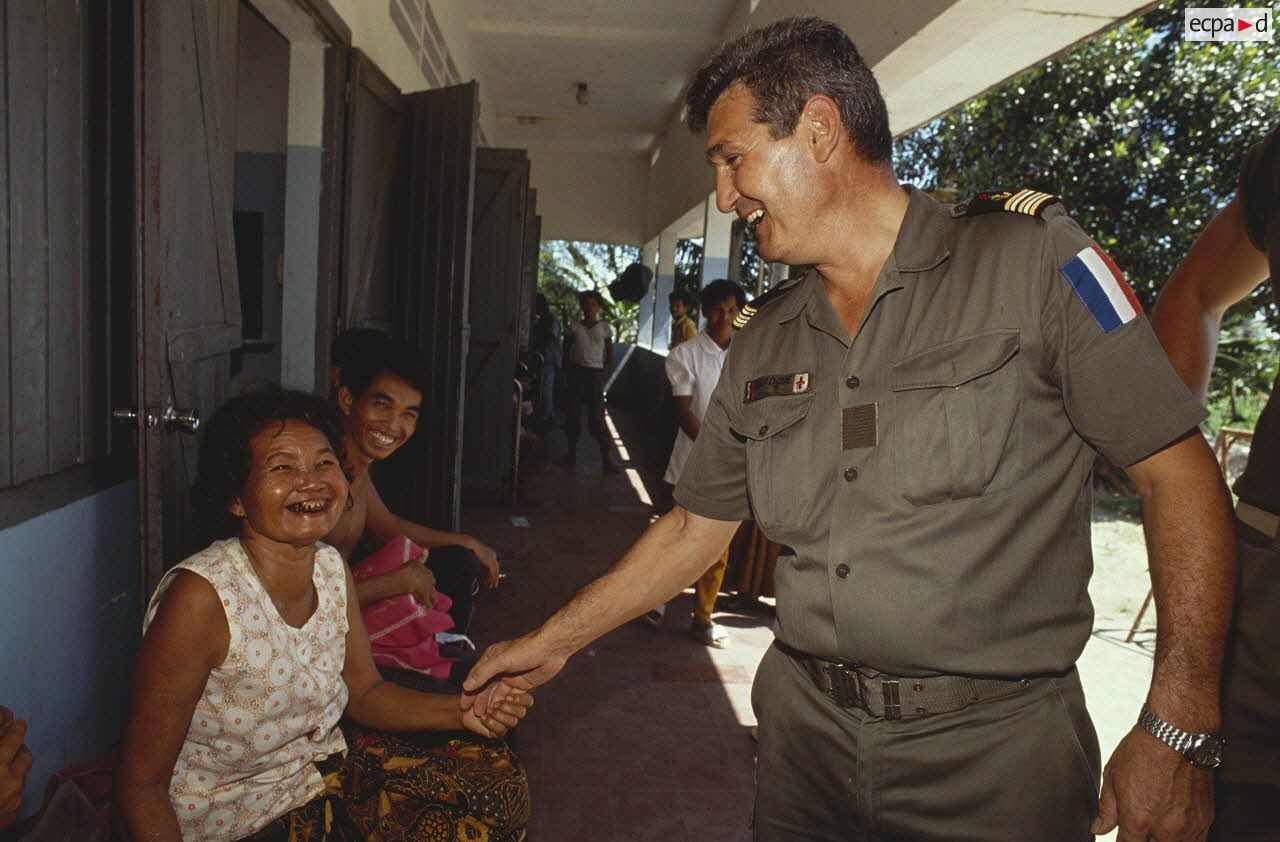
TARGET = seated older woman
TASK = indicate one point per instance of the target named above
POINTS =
(254, 648)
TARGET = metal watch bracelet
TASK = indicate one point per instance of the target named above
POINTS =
(1204, 751)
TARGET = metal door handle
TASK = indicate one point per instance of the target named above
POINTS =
(164, 418)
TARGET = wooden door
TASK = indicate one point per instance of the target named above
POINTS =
(373, 139)
(529, 269)
(187, 295)
(497, 281)
(435, 178)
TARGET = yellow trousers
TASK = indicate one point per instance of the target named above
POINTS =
(707, 588)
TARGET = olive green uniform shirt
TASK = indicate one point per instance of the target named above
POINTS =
(933, 474)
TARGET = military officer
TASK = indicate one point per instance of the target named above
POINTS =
(917, 419)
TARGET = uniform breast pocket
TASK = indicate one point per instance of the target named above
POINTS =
(780, 459)
(957, 420)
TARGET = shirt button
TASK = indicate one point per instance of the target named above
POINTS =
(850, 474)
(764, 429)
(853, 382)
(842, 570)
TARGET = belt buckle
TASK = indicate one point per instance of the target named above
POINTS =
(852, 689)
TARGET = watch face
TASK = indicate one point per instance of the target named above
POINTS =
(1208, 753)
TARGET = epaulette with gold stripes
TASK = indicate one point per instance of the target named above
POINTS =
(1030, 202)
(753, 306)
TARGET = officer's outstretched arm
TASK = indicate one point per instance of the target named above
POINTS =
(1148, 788)
(674, 551)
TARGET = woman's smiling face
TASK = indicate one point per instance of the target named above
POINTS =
(295, 491)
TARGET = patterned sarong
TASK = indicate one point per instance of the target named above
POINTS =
(392, 789)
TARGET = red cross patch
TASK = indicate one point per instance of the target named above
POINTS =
(800, 382)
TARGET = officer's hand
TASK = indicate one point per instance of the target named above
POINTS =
(1151, 792)
(521, 664)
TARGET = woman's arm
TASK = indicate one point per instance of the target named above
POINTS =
(186, 640)
(380, 704)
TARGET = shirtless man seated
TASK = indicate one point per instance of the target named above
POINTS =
(380, 396)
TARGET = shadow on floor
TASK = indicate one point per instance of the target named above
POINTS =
(645, 735)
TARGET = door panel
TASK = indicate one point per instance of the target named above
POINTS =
(188, 305)
(373, 143)
(529, 281)
(497, 282)
(435, 180)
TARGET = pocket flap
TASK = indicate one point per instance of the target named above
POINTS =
(764, 420)
(956, 362)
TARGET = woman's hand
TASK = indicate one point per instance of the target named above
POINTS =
(418, 581)
(504, 708)
(15, 762)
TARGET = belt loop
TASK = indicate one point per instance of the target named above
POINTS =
(892, 703)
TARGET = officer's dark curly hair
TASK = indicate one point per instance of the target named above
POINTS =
(786, 63)
(225, 455)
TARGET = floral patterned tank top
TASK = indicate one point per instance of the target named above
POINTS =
(270, 709)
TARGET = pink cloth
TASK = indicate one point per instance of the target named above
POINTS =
(402, 631)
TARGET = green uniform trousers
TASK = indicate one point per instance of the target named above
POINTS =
(1024, 767)
(1248, 785)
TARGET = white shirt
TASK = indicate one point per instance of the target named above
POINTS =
(587, 349)
(693, 369)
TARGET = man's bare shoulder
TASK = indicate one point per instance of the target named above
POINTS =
(346, 534)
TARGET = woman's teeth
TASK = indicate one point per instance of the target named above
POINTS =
(310, 507)
(755, 216)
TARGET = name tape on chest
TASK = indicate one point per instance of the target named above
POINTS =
(775, 385)
(1102, 287)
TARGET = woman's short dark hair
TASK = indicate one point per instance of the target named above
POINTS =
(720, 289)
(786, 63)
(225, 454)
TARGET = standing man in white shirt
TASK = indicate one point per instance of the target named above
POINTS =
(590, 355)
(693, 369)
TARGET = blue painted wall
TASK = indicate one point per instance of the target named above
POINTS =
(70, 619)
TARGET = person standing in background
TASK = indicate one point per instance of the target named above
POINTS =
(683, 326)
(1238, 250)
(590, 356)
(693, 370)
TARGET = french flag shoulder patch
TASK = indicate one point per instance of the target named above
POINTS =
(1102, 287)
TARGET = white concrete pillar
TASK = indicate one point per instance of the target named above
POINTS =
(716, 242)
(303, 178)
(644, 331)
(664, 283)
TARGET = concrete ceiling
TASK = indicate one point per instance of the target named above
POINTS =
(634, 57)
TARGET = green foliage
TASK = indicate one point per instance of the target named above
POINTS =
(566, 268)
(1240, 410)
(1141, 133)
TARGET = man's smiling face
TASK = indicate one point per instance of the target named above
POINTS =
(760, 179)
(383, 418)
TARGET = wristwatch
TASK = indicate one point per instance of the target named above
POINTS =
(1203, 751)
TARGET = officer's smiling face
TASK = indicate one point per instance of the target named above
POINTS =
(760, 179)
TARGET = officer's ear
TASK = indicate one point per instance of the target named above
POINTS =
(821, 126)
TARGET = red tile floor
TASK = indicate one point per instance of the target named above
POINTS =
(645, 735)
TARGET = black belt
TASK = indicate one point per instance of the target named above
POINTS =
(896, 697)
